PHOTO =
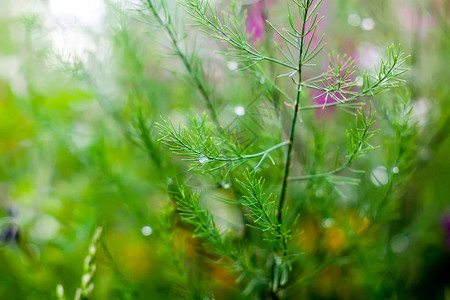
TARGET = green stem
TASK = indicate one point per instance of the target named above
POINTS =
(294, 120)
(365, 93)
(262, 154)
(347, 165)
(291, 143)
(201, 87)
(278, 62)
(144, 134)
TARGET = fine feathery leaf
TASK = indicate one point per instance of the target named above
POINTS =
(262, 210)
(337, 85)
(188, 205)
(357, 145)
(89, 269)
(206, 149)
(230, 29)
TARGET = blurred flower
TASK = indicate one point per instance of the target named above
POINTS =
(255, 21)
(335, 239)
(414, 19)
(327, 281)
(357, 222)
(446, 229)
(13, 212)
(441, 7)
(368, 55)
(337, 82)
(137, 259)
(223, 276)
(309, 236)
(11, 234)
(420, 111)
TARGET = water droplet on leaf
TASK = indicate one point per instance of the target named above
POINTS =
(239, 110)
(379, 176)
(146, 231)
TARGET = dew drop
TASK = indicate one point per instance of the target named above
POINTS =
(239, 110)
(328, 222)
(203, 160)
(320, 193)
(354, 20)
(367, 24)
(399, 243)
(379, 176)
(232, 65)
(262, 80)
(146, 231)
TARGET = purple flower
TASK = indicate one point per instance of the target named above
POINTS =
(255, 21)
(446, 229)
(337, 83)
(412, 19)
(11, 234)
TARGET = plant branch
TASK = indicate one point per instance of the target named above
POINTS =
(294, 120)
(198, 83)
(201, 144)
(358, 138)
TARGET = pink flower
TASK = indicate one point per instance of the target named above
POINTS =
(446, 229)
(414, 20)
(256, 21)
(337, 82)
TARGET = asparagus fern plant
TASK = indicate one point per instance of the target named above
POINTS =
(265, 256)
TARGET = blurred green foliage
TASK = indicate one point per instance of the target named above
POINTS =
(79, 149)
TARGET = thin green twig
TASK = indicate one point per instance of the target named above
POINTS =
(199, 84)
(294, 120)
